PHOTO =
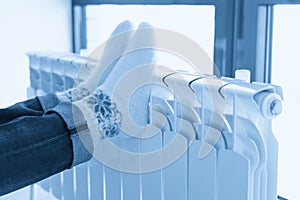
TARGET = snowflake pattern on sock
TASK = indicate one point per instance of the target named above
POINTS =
(106, 112)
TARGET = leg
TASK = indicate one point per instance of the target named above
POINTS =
(33, 145)
(27, 108)
(32, 107)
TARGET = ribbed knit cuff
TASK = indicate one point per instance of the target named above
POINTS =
(82, 143)
(48, 101)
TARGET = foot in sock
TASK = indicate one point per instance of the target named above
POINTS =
(114, 46)
(101, 113)
(137, 54)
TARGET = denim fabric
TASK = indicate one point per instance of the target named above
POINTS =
(27, 108)
(35, 142)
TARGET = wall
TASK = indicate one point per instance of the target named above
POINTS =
(29, 26)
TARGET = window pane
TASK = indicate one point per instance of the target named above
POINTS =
(195, 22)
(285, 72)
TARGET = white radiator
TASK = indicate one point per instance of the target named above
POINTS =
(240, 165)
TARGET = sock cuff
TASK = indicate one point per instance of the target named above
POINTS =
(48, 101)
(82, 142)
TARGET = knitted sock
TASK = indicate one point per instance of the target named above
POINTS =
(112, 47)
(115, 46)
(132, 59)
(137, 54)
(101, 113)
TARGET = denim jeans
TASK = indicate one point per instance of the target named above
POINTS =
(38, 138)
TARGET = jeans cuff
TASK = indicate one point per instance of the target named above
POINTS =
(82, 143)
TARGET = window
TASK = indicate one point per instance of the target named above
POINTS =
(102, 19)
